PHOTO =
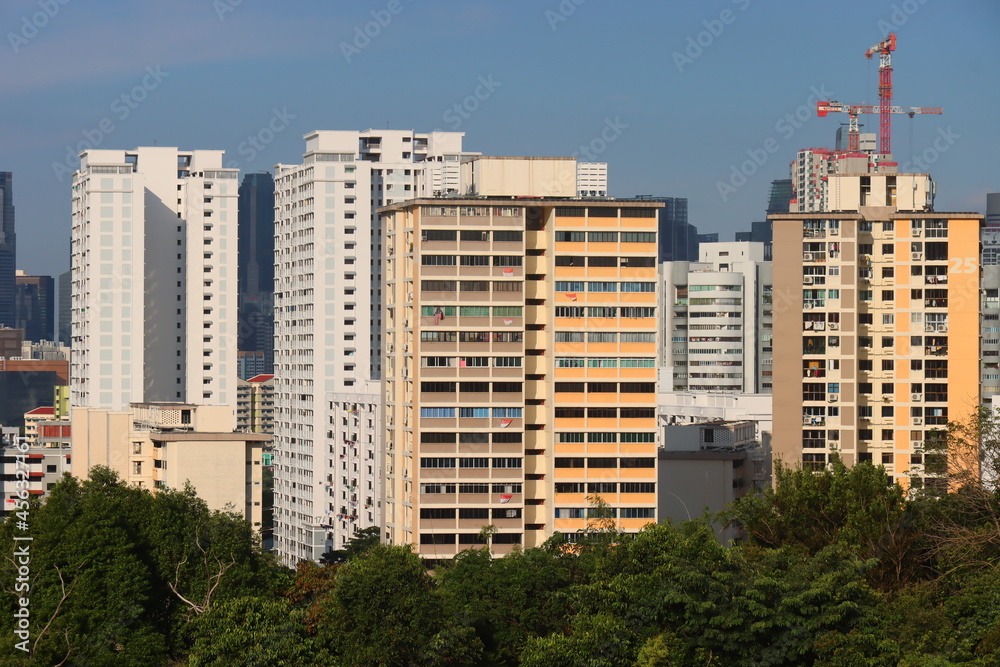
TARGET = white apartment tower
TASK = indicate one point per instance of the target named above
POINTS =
(153, 262)
(717, 323)
(328, 324)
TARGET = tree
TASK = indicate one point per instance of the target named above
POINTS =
(961, 491)
(362, 542)
(857, 508)
(383, 609)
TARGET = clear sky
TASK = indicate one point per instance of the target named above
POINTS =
(673, 95)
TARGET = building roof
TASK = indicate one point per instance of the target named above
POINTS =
(261, 378)
(41, 411)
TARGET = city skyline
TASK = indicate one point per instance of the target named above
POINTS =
(675, 99)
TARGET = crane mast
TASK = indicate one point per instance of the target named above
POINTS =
(884, 50)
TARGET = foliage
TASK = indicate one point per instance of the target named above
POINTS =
(118, 573)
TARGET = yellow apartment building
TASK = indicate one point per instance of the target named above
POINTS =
(876, 324)
(520, 367)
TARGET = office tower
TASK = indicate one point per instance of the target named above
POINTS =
(678, 240)
(256, 268)
(8, 250)
(63, 333)
(876, 324)
(779, 198)
(328, 314)
(35, 306)
(717, 329)
(154, 278)
(520, 370)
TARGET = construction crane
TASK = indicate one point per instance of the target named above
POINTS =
(884, 50)
(854, 110)
(884, 108)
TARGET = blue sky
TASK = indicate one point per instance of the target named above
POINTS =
(691, 89)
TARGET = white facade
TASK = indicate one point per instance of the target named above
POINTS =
(328, 323)
(592, 179)
(717, 328)
(153, 263)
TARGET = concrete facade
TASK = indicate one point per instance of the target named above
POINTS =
(520, 372)
(153, 261)
(877, 324)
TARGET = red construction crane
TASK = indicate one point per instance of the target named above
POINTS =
(853, 110)
(884, 50)
(884, 108)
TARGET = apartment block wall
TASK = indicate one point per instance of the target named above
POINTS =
(153, 262)
(520, 369)
(877, 333)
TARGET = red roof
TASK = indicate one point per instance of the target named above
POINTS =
(260, 378)
(41, 411)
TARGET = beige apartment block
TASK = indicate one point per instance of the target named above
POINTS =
(876, 325)
(520, 367)
(165, 445)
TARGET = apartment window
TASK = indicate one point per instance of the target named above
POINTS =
(570, 237)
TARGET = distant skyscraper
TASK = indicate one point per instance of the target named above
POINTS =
(678, 240)
(8, 250)
(154, 278)
(779, 198)
(256, 268)
(35, 306)
(63, 334)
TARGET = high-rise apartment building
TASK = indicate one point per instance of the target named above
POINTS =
(520, 370)
(8, 250)
(328, 324)
(154, 256)
(256, 268)
(35, 306)
(717, 320)
(877, 323)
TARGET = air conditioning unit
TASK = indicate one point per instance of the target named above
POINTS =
(834, 326)
(835, 232)
(918, 232)
(942, 328)
(918, 421)
(807, 257)
(807, 420)
(807, 306)
(916, 397)
(929, 328)
(833, 398)
(807, 280)
(917, 256)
